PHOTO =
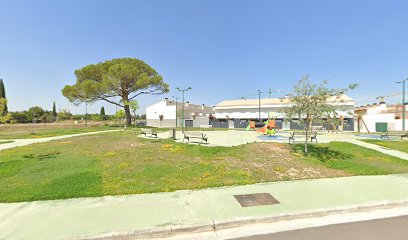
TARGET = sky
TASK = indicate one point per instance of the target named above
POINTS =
(222, 49)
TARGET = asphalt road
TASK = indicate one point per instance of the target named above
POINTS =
(381, 229)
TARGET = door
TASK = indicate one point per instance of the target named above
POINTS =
(381, 127)
(230, 123)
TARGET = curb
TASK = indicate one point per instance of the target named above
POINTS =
(171, 231)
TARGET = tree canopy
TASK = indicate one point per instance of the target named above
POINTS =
(125, 78)
(312, 101)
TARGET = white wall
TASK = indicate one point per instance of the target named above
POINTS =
(153, 111)
(253, 113)
(371, 120)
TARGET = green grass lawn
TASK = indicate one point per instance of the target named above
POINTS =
(42, 132)
(3, 142)
(121, 163)
(400, 145)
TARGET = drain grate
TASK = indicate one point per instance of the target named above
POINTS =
(256, 199)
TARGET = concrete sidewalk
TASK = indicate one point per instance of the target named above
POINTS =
(200, 210)
(381, 149)
(24, 142)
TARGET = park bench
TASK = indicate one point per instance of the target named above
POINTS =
(292, 135)
(198, 135)
(149, 131)
(394, 133)
(317, 128)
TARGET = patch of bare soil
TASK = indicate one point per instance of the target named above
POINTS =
(276, 161)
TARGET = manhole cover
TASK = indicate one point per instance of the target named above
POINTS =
(256, 199)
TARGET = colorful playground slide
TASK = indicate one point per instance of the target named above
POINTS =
(269, 124)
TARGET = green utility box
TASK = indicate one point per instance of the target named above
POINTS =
(381, 127)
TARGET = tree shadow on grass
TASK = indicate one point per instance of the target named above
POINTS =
(321, 153)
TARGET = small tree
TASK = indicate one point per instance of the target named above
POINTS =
(120, 115)
(313, 101)
(134, 106)
(34, 113)
(161, 117)
(7, 118)
(64, 115)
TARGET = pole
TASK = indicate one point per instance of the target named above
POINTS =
(403, 103)
(175, 99)
(86, 114)
(182, 109)
(259, 105)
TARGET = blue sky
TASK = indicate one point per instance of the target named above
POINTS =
(222, 49)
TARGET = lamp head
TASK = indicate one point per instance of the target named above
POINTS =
(189, 88)
(177, 88)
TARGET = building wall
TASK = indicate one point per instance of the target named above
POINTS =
(153, 111)
(199, 121)
(266, 112)
(378, 113)
(371, 119)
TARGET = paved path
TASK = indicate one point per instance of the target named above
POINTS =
(381, 149)
(24, 142)
(380, 229)
(208, 208)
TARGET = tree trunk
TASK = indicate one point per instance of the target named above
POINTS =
(128, 115)
(358, 124)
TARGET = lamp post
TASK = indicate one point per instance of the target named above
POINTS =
(175, 99)
(182, 110)
(403, 102)
(259, 105)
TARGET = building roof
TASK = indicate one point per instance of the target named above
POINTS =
(276, 101)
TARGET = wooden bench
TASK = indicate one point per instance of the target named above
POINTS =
(313, 135)
(198, 135)
(389, 133)
(146, 131)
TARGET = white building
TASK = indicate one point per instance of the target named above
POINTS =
(163, 114)
(379, 117)
(237, 113)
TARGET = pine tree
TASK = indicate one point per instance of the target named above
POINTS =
(3, 95)
(54, 110)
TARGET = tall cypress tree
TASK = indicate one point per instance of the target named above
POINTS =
(54, 110)
(3, 95)
(102, 112)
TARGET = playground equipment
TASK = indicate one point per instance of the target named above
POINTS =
(251, 126)
(269, 127)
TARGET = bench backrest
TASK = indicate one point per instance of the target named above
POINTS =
(303, 133)
(193, 134)
(397, 132)
(147, 130)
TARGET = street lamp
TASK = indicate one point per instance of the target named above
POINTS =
(175, 99)
(403, 102)
(182, 110)
(259, 105)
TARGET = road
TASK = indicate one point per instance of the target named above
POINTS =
(389, 228)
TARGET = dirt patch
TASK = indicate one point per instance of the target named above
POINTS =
(274, 160)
